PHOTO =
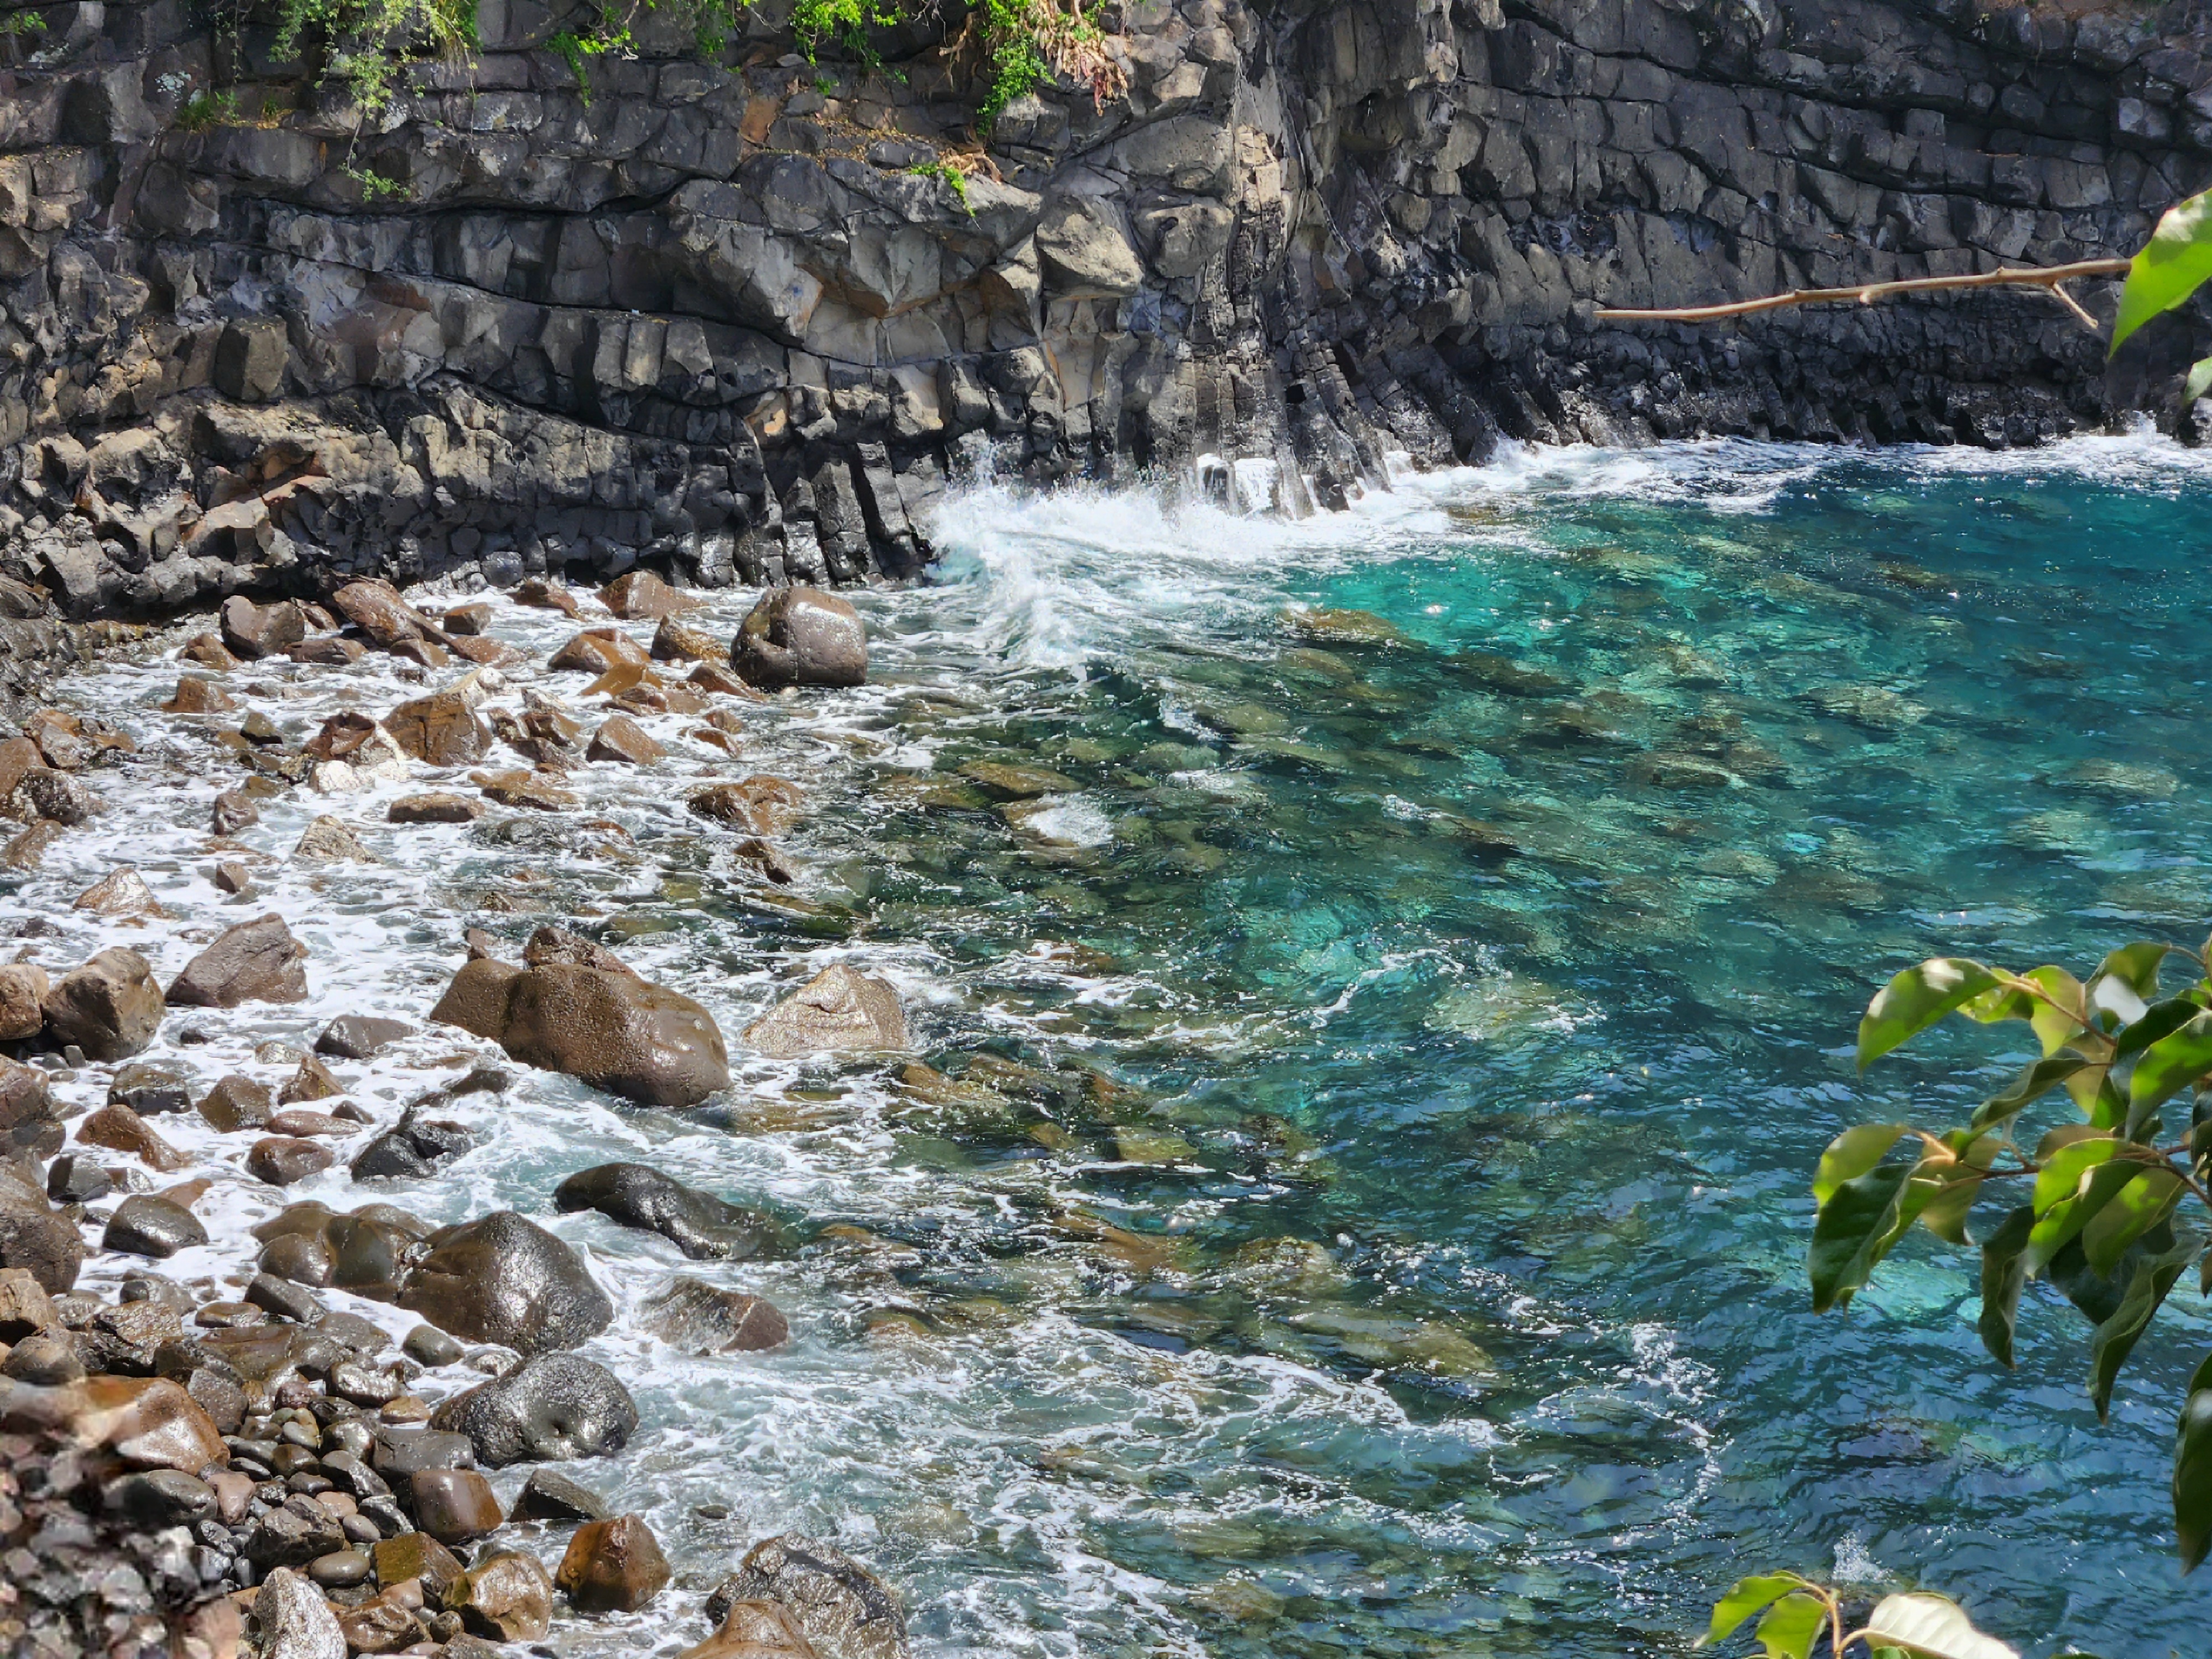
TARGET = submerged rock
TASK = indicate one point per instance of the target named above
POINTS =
(705, 1319)
(840, 1606)
(504, 1280)
(551, 1408)
(839, 1010)
(704, 1227)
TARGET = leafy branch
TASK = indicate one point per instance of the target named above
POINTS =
(1794, 1612)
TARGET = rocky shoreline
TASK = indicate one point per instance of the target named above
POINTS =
(230, 1463)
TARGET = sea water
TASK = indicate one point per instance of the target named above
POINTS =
(1354, 1200)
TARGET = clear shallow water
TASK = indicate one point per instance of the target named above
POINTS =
(1370, 1216)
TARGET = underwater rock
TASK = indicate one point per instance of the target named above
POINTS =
(839, 1010)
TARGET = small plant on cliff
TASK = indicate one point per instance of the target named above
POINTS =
(1026, 39)
(19, 23)
(208, 108)
(711, 22)
(948, 173)
(845, 23)
(366, 42)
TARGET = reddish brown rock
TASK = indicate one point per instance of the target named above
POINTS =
(237, 1103)
(598, 651)
(612, 1566)
(376, 608)
(121, 892)
(332, 650)
(232, 812)
(208, 652)
(23, 988)
(754, 1630)
(679, 642)
(531, 789)
(281, 1160)
(638, 595)
(256, 961)
(442, 729)
(23, 852)
(313, 1081)
(466, 619)
(149, 1423)
(505, 1598)
(801, 637)
(436, 807)
(197, 695)
(705, 1318)
(110, 1007)
(252, 631)
(622, 739)
(544, 595)
(485, 652)
(617, 1032)
(708, 677)
(476, 999)
(760, 806)
(455, 1505)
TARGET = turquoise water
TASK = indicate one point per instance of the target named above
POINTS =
(1565, 1101)
(1356, 1201)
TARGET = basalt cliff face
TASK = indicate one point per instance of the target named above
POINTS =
(730, 319)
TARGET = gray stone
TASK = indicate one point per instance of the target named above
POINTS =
(551, 1408)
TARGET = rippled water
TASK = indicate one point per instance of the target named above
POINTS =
(1369, 1217)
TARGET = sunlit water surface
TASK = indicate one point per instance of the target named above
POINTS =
(1387, 1238)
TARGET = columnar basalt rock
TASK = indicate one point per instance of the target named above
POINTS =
(709, 322)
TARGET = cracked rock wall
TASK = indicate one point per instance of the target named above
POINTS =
(732, 320)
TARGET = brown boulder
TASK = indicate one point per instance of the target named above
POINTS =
(282, 1160)
(197, 695)
(376, 608)
(148, 1422)
(471, 618)
(42, 793)
(705, 1319)
(436, 807)
(623, 739)
(600, 651)
(617, 1032)
(549, 945)
(505, 1598)
(237, 1103)
(232, 812)
(208, 652)
(252, 631)
(544, 595)
(675, 641)
(332, 650)
(839, 1010)
(442, 729)
(759, 805)
(641, 596)
(840, 1606)
(484, 652)
(612, 1566)
(23, 988)
(801, 637)
(477, 998)
(327, 840)
(532, 789)
(256, 961)
(754, 1630)
(110, 1007)
(419, 1557)
(455, 1505)
(121, 892)
(25, 1307)
(502, 1279)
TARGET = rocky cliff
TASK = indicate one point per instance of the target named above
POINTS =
(741, 319)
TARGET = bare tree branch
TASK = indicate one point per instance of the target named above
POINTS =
(2005, 276)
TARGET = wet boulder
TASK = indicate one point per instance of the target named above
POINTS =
(506, 1597)
(800, 636)
(455, 1505)
(442, 729)
(284, 1160)
(149, 1423)
(550, 1496)
(550, 1408)
(415, 1146)
(701, 1318)
(638, 595)
(144, 1224)
(503, 1279)
(754, 1630)
(41, 793)
(294, 1620)
(840, 1606)
(477, 997)
(839, 1010)
(256, 961)
(27, 1120)
(358, 1037)
(617, 1032)
(36, 1237)
(622, 740)
(122, 1130)
(551, 945)
(110, 1008)
(23, 988)
(252, 631)
(758, 806)
(704, 1227)
(612, 1566)
(237, 1103)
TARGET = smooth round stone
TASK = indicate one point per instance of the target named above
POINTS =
(427, 1345)
(350, 1435)
(301, 1434)
(359, 1528)
(229, 1315)
(405, 1409)
(340, 1568)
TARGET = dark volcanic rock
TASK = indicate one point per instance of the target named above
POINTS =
(550, 1496)
(702, 1226)
(357, 1036)
(503, 1279)
(549, 1408)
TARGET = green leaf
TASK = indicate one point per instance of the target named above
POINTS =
(2159, 1021)
(2173, 1063)
(2066, 1155)
(1916, 999)
(2004, 1272)
(1931, 1627)
(2135, 966)
(2029, 1087)
(2172, 266)
(1792, 1625)
(2192, 1470)
(2098, 1295)
(2055, 1027)
(1750, 1595)
(2200, 379)
(1859, 1224)
(1850, 1155)
(2152, 1278)
(2003, 1002)
(1957, 1186)
(2133, 1210)
(2062, 1224)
